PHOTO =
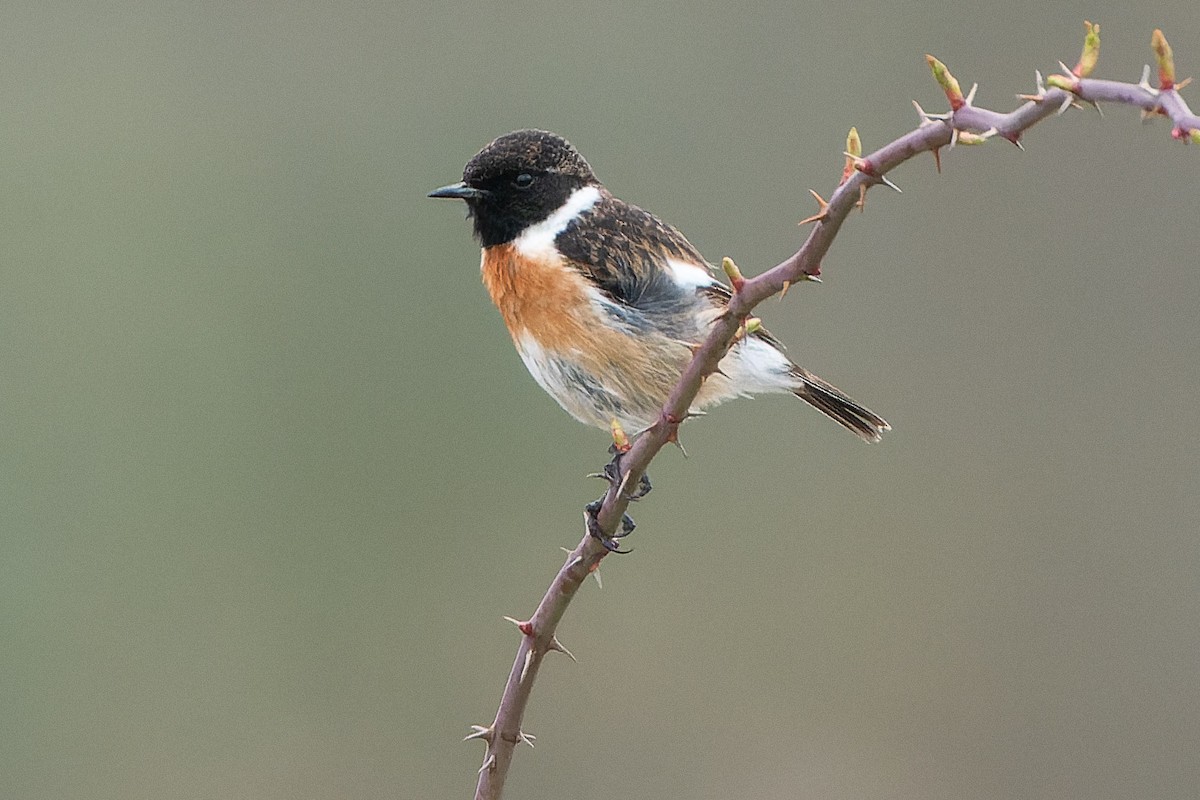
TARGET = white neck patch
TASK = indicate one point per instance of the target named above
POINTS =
(538, 239)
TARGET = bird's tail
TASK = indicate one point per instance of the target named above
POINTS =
(833, 403)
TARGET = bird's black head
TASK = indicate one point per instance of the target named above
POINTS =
(519, 179)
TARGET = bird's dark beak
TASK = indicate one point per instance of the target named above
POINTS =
(459, 191)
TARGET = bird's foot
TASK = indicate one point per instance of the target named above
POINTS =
(613, 474)
(617, 479)
(611, 543)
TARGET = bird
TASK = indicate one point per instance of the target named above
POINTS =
(604, 301)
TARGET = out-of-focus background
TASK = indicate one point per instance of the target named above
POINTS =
(272, 471)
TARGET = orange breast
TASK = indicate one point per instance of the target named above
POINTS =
(541, 298)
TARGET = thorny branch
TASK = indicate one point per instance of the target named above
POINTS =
(965, 123)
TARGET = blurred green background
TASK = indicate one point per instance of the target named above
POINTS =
(272, 471)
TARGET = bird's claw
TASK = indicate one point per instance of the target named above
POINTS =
(643, 488)
(610, 543)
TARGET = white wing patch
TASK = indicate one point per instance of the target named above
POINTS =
(689, 275)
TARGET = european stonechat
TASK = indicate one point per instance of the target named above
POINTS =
(605, 301)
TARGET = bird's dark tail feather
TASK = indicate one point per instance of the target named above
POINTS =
(833, 403)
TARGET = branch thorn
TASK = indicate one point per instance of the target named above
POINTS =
(527, 738)
(525, 627)
(558, 647)
(1144, 83)
(804, 277)
(577, 560)
(673, 438)
(1041, 89)
(488, 763)
(867, 167)
(480, 732)
(927, 118)
(822, 212)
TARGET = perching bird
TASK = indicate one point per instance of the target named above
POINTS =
(606, 302)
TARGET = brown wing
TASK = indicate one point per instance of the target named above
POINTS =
(625, 251)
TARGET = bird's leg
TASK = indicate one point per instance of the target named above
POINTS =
(614, 476)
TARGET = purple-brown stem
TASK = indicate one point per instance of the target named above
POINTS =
(538, 633)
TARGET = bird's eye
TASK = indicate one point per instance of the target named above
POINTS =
(523, 181)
